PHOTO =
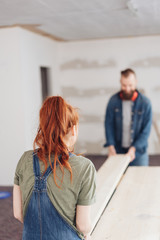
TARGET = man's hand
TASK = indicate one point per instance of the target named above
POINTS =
(111, 151)
(131, 153)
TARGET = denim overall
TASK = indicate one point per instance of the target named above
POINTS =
(42, 221)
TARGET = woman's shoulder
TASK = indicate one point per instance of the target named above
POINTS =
(81, 162)
(26, 157)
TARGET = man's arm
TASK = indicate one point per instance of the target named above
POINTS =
(141, 141)
(109, 128)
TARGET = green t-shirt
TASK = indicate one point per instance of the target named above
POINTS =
(81, 191)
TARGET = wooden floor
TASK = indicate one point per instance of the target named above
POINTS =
(11, 229)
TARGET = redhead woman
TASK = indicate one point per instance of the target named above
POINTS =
(53, 188)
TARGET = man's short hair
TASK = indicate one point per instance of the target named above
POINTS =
(127, 72)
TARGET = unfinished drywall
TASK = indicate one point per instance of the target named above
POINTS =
(90, 73)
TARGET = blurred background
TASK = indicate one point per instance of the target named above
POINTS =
(75, 49)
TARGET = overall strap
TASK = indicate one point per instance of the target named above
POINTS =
(36, 166)
(39, 184)
(71, 154)
(48, 171)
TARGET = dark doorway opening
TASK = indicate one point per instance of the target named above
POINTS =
(45, 82)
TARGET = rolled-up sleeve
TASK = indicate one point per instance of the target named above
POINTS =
(18, 171)
(87, 194)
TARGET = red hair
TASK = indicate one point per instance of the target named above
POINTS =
(55, 120)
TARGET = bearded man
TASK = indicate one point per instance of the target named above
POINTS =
(128, 121)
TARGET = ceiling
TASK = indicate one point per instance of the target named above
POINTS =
(70, 20)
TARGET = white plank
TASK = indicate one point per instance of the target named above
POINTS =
(108, 177)
(134, 210)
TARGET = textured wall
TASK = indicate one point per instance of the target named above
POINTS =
(89, 74)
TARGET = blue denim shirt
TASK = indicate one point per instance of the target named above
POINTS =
(140, 123)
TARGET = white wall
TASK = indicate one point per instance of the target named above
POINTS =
(22, 55)
(36, 52)
(12, 115)
(90, 73)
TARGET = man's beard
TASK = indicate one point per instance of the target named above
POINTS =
(127, 96)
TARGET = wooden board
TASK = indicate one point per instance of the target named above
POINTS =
(134, 210)
(108, 177)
